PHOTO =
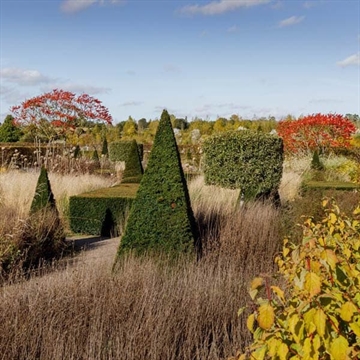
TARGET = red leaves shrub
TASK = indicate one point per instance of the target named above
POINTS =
(316, 131)
(62, 109)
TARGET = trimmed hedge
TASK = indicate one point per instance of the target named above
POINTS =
(97, 212)
(119, 151)
(335, 185)
(251, 161)
(161, 218)
(133, 169)
(44, 197)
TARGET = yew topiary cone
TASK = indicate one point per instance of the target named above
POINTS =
(44, 197)
(161, 218)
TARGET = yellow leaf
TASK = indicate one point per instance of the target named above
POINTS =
(320, 321)
(296, 327)
(256, 283)
(312, 284)
(266, 316)
(347, 310)
(339, 349)
(307, 348)
(332, 218)
(355, 327)
(282, 351)
(259, 354)
(279, 293)
(273, 345)
(250, 322)
(330, 257)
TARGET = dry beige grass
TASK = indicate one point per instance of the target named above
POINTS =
(17, 188)
(150, 308)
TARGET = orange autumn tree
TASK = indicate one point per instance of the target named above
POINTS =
(316, 132)
(56, 112)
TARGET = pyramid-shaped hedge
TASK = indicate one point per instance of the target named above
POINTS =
(161, 218)
(44, 197)
(133, 169)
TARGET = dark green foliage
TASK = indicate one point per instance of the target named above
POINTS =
(95, 156)
(98, 212)
(161, 218)
(105, 150)
(133, 168)
(119, 151)
(77, 152)
(44, 197)
(316, 164)
(251, 161)
(9, 132)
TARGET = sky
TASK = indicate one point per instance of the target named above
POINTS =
(196, 58)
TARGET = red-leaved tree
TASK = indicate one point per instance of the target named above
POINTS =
(60, 111)
(316, 132)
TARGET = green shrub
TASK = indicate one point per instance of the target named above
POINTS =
(97, 212)
(119, 151)
(133, 169)
(161, 218)
(251, 161)
(44, 197)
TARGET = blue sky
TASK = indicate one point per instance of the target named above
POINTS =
(195, 58)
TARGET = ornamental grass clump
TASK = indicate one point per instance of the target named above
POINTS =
(161, 218)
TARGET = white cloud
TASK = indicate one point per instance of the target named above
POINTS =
(309, 4)
(24, 77)
(353, 60)
(132, 103)
(325, 101)
(11, 95)
(232, 29)
(291, 21)
(220, 7)
(73, 6)
(171, 68)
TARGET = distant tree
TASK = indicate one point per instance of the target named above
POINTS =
(130, 127)
(9, 132)
(180, 124)
(320, 132)
(142, 124)
(60, 110)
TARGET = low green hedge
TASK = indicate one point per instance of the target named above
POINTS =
(98, 212)
(335, 185)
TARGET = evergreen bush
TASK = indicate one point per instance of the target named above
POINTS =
(44, 197)
(161, 218)
(251, 161)
(133, 168)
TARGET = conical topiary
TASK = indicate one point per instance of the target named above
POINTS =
(133, 169)
(44, 197)
(105, 150)
(161, 218)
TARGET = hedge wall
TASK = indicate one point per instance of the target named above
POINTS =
(251, 161)
(98, 212)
